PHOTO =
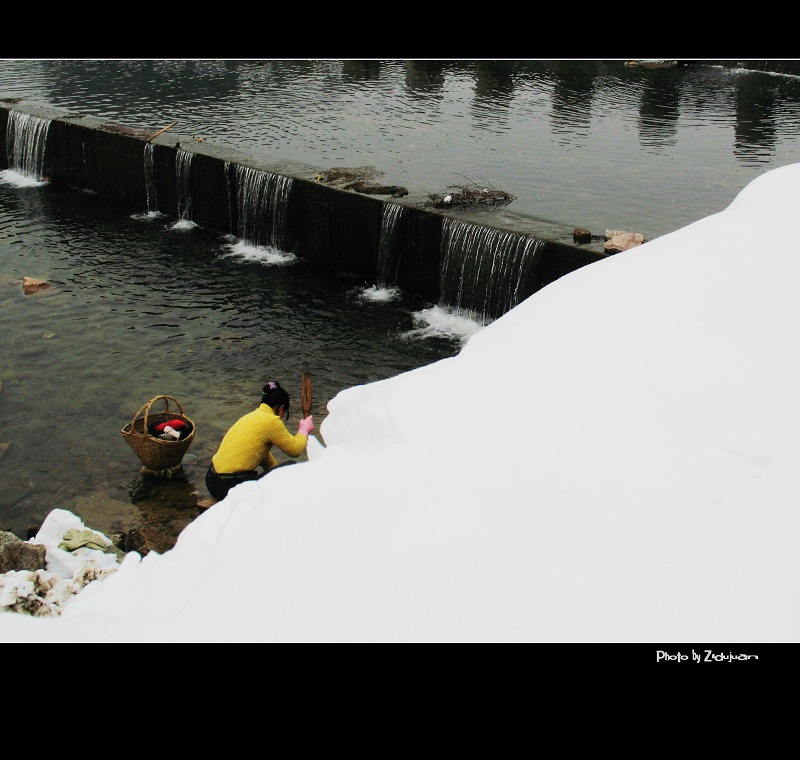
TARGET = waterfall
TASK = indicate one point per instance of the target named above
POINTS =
(262, 199)
(150, 185)
(391, 213)
(26, 139)
(183, 163)
(484, 270)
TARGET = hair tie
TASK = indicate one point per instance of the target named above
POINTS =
(272, 386)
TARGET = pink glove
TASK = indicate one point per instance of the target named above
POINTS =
(305, 426)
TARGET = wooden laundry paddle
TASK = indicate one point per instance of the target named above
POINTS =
(306, 394)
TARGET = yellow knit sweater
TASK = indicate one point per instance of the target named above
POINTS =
(249, 441)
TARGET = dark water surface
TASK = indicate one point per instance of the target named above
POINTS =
(138, 308)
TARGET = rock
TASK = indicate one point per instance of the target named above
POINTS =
(16, 554)
(371, 188)
(348, 174)
(136, 542)
(29, 285)
(580, 235)
(169, 473)
(622, 241)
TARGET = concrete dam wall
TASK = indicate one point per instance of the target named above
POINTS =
(471, 267)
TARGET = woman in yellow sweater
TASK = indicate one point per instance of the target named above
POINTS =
(248, 443)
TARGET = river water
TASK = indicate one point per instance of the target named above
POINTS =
(140, 305)
(593, 144)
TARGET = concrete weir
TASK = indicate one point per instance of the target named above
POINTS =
(459, 260)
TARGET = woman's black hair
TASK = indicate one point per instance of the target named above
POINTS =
(274, 395)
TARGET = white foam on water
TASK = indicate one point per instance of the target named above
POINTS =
(184, 224)
(266, 255)
(438, 322)
(379, 293)
(148, 216)
(17, 179)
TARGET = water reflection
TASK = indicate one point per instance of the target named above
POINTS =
(361, 71)
(659, 111)
(573, 87)
(424, 77)
(756, 123)
(493, 94)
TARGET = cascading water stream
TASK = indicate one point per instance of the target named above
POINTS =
(150, 185)
(26, 140)
(183, 164)
(391, 213)
(262, 199)
(483, 269)
(280, 203)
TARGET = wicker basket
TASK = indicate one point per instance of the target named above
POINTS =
(154, 453)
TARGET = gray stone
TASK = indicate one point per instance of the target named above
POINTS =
(16, 554)
(619, 241)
